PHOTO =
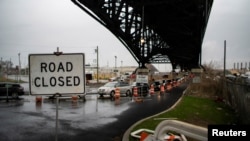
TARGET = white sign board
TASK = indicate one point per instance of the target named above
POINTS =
(196, 79)
(51, 74)
(142, 78)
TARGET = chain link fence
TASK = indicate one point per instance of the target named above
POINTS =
(238, 97)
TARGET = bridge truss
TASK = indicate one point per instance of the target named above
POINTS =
(155, 31)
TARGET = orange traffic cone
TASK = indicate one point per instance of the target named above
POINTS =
(135, 91)
(117, 93)
(74, 98)
(144, 135)
(162, 89)
(152, 91)
(39, 99)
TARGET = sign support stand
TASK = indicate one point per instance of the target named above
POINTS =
(57, 101)
(57, 95)
(7, 100)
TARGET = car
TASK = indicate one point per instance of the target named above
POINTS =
(156, 85)
(11, 89)
(246, 77)
(231, 77)
(113, 79)
(110, 87)
(142, 88)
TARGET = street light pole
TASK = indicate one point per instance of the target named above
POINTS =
(19, 68)
(225, 46)
(97, 64)
(121, 66)
(115, 62)
(115, 66)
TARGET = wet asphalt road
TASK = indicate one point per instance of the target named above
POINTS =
(93, 120)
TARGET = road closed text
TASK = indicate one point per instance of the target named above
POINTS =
(53, 81)
(59, 81)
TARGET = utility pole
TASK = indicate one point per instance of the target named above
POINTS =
(1, 66)
(115, 66)
(225, 83)
(121, 66)
(115, 62)
(97, 64)
(19, 69)
(224, 58)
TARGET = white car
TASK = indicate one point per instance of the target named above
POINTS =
(246, 77)
(109, 89)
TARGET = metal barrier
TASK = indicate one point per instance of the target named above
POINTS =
(164, 128)
(189, 130)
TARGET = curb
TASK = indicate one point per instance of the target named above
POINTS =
(128, 131)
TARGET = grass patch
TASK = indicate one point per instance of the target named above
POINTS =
(2, 79)
(195, 110)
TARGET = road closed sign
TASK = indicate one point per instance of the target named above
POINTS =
(51, 74)
(142, 78)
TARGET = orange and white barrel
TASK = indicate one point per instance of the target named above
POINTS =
(135, 91)
(162, 88)
(152, 91)
(169, 87)
(39, 99)
(74, 98)
(117, 93)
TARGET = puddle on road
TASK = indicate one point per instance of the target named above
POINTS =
(93, 112)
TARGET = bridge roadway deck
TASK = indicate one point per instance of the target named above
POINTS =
(94, 119)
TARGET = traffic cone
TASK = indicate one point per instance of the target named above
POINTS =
(162, 89)
(117, 93)
(144, 135)
(169, 87)
(39, 99)
(74, 98)
(136, 98)
(152, 91)
(135, 91)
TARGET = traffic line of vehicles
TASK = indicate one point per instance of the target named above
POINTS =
(14, 90)
(126, 89)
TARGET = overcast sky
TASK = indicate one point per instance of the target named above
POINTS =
(31, 26)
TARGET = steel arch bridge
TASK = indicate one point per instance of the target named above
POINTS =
(155, 31)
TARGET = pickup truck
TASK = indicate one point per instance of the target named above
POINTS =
(109, 89)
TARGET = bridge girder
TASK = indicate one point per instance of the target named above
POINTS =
(155, 31)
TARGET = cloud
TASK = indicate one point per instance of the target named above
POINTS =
(229, 20)
(41, 26)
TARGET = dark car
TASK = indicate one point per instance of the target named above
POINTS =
(12, 90)
(142, 88)
(156, 85)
